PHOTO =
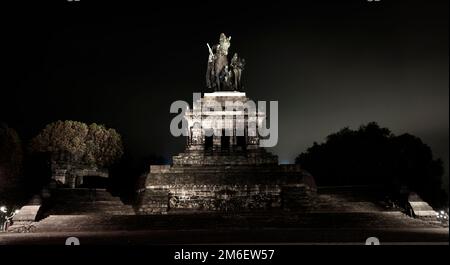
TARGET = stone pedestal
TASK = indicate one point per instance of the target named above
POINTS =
(225, 172)
(251, 186)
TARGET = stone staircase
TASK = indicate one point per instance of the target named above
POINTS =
(338, 203)
(96, 210)
(78, 201)
(95, 223)
(348, 199)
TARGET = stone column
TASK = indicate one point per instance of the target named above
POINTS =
(233, 137)
(189, 140)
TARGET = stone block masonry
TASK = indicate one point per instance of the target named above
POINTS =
(224, 173)
(226, 188)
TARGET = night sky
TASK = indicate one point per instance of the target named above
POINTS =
(329, 64)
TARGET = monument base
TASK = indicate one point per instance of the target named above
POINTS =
(226, 188)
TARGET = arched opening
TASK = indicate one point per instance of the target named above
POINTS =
(240, 142)
(208, 141)
(225, 142)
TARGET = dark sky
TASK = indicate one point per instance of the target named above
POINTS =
(329, 64)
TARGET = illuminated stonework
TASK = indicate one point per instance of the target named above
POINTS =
(224, 167)
(227, 172)
(232, 139)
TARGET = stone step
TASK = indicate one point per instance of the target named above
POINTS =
(84, 197)
(91, 208)
(94, 203)
(118, 209)
(196, 221)
(86, 201)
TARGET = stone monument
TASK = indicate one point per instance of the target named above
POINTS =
(224, 170)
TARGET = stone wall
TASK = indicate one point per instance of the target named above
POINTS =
(227, 175)
(227, 198)
(251, 157)
(153, 201)
(72, 175)
(224, 197)
(226, 188)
